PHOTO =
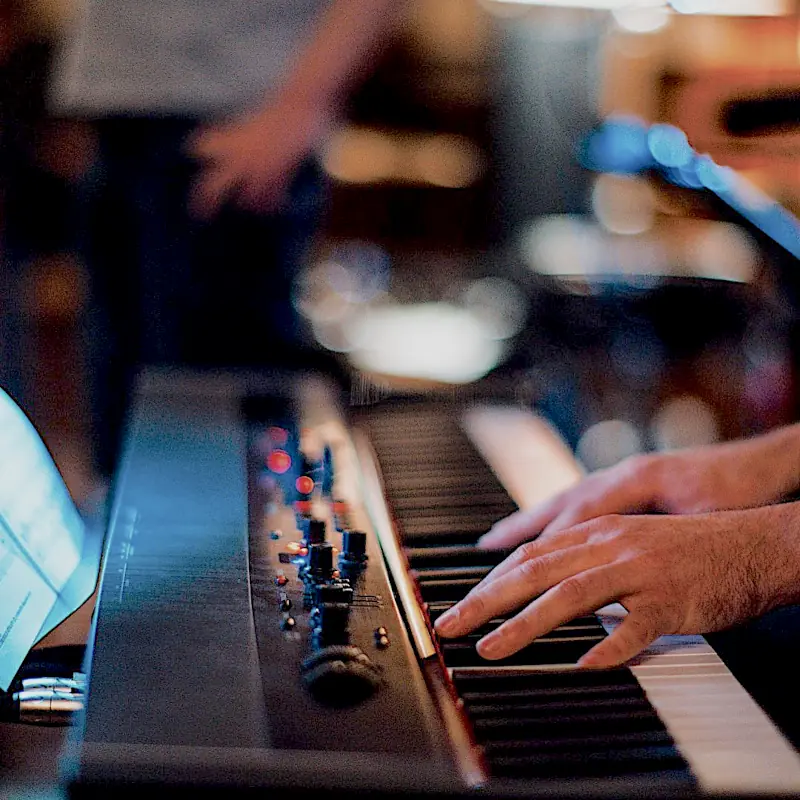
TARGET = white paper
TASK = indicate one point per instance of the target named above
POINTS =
(41, 537)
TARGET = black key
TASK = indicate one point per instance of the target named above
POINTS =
(432, 573)
(418, 525)
(451, 590)
(551, 726)
(564, 744)
(454, 556)
(599, 763)
(494, 681)
(562, 707)
(539, 653)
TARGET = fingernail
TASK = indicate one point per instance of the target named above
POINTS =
(487, 539)
(489, 646)
(590, 660)
(448, 621)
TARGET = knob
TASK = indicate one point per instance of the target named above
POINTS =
(320, 562)
(340, 676)
(354, 546)
(353, 558)
(331, 613)
(331, 624)
(316, 531)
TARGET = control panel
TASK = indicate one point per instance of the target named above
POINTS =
(303, 533)
(325, 614)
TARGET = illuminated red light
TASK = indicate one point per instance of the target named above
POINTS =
(302, 506)
(304, 484)
(278, 436)
(279, 461)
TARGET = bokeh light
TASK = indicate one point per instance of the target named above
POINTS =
(431, 341)
(607, 442)
(684, 421)
(623, 204)
(499, 304)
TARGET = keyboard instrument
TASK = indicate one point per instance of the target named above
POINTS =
(274, 566)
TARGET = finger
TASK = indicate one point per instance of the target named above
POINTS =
(260, 196)
(512, 590)
(205, 144)
(609, 496)
(523, 525)
(574, 596)
(210, 191)
(639, 629)
(536, 549)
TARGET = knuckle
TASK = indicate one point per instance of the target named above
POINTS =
(531, 569)
(526, 552)
(602, 529)
(476, 603)
(573, 590)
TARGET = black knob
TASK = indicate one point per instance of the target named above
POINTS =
(340, 676)
(316, 531)
(320, 561)
(331, 624)
(354, 546)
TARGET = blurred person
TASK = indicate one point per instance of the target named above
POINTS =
(206, 192)
(32, 194)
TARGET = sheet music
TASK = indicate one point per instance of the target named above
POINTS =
(41, 537)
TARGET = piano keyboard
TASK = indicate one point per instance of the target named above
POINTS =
(677, 714)
(205, 584)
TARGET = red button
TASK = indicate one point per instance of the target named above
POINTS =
(279, 461)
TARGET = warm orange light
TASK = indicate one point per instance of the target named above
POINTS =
(279, 461)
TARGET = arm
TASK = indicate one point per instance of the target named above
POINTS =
(740, 474)
(252, 160)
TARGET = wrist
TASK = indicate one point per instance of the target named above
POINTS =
(777, 530)
(781, 458)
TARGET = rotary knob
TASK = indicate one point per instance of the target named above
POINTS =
(320, 562)
(316, 531)
(331, 614)
(353, 557)
(354, 546)
(340, 676)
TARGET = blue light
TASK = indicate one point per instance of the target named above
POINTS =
(618, 145)
(712, 176)
(669, 146)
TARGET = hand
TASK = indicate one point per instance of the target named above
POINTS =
(251, 162)
(741, 474)
(673, 574)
